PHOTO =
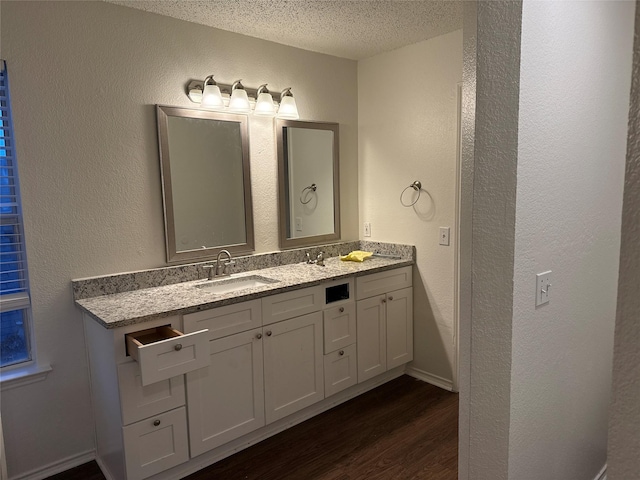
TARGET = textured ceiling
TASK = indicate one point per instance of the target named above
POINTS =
(354, 29)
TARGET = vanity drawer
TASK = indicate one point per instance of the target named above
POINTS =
(383, 282)
(340, 370)
(339, 327)
(163, 352)
(292, 304)
(139, 402)
(225, 321)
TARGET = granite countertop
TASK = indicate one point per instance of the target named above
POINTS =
(138, 306)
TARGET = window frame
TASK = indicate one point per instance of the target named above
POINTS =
(19, 300)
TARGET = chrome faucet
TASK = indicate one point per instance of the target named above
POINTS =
(318, 261)
(222, 270)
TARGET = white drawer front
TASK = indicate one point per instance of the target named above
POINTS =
(340, 370)
(383, 282)
(138, 402)
(292, 304)
(339, 327)
(156, 444)
(173, 356)
(225, 321)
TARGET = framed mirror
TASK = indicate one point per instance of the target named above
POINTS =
(308, 182)
(206, 184)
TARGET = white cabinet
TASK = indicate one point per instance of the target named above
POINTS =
(226, 399)
(293, 365)
(384, 322)
(340, 370)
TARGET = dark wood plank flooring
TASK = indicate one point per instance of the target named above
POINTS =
(403, 430)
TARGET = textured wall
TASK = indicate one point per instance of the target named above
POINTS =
(85, 77)
(574, 102)
(624, 422)
(494, 197)
(406, 133)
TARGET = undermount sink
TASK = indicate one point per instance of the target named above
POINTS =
(235, 284)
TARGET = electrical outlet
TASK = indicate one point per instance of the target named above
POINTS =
(298, 224)
(444, 236)
(367, 229)
(543, 286)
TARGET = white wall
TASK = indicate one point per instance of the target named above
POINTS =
(575, 76)
(623, 461)
(407, 130)
(85, 77)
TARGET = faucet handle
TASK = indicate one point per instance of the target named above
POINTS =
(225, 268)
(308, 257)
(211, 268)
(320, 259)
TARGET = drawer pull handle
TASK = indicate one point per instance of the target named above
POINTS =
(341, 309)
(268, 333)
(156, 423)
(259, 336)
(341, 352)
(390, 297)
(178, 347)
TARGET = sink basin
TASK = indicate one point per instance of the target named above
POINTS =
(229, 285)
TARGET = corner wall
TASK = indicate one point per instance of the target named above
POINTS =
(574, 102)
(85, 77)
(623, 461)
(407, 130)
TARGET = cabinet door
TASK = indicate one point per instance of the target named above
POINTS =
(399, 327)
(372, 337)
(339, 327)
(226, 399)
(155, 444)
(293, 365)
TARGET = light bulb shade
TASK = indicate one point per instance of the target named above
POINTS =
(265, 106)
(212, 97)
(239, 102)
(288, 108)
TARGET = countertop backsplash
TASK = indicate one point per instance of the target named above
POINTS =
(158, 277)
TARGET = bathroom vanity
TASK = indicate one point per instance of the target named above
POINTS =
(186, 374)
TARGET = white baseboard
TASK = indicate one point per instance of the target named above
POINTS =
(430, 378)
(57, 467)
(603, 473)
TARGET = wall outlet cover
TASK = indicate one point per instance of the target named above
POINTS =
(367, 229)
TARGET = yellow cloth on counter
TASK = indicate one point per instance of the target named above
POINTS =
(356, 256)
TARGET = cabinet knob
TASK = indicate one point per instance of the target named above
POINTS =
(178, 347)
(341, 309)
(384, 300)
(156, 423)
(268, 333)
(341, 352)
(259, 336)
(390, 297)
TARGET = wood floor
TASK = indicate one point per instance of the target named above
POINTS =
(403, 430)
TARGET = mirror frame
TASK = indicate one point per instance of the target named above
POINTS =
(187, 256)
(283, 194)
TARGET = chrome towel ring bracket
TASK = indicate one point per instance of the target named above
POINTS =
(416, 186)
(309, 189)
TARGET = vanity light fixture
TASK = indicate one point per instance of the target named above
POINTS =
(237, 98)
(211, 95)
(264, 103)
(288, 108)
(239, 101)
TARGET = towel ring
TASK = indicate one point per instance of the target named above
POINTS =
(311, 188)
(417, 186)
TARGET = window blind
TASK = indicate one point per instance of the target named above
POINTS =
(13, 264)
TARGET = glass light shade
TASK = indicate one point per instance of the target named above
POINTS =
(239, 102)
(265, 106)
(288, 108)
(211, 97)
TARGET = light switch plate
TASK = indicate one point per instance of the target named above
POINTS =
(298, 224)
(444, 236)
(543, 284)
(367, 229)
